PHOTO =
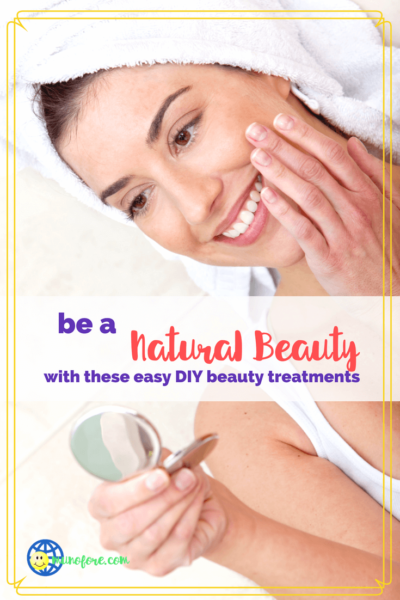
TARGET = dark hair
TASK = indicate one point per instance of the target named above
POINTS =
(59, 104)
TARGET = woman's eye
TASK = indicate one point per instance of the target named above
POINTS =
(139, 204)
(186, 136)
(183, 137)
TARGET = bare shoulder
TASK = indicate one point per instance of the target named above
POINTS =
(248, 409)
(268, 462)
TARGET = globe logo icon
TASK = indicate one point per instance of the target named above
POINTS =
(40, 556)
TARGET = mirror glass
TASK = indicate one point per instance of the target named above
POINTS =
(114, 443)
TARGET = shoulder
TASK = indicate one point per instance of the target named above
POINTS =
(240, 410)
(268, 462)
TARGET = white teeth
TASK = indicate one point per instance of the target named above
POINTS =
(246, 216)
(240, 227)
(251, 206)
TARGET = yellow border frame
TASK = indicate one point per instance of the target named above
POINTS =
(17, 584)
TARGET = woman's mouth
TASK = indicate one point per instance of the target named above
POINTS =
(250, 220)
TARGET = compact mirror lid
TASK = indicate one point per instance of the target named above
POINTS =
(115, 443)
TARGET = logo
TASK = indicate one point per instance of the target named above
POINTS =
(41, 557)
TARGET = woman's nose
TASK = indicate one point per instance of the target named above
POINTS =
(194, 196)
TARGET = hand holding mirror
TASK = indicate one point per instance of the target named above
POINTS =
(116, 443)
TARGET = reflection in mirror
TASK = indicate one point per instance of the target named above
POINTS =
(115, 443)
(122, 440)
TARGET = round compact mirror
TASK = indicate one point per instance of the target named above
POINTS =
(115, 443)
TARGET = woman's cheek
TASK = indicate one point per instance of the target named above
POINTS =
(283, 249)
(226, 148)
(173, 234)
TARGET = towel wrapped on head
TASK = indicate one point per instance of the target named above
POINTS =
(335, 67)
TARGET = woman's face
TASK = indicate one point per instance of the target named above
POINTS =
(166, 144)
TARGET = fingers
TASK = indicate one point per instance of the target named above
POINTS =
(140, 549)
(329, 152)
(176, 551)
(373, 167)
(131, 523)
(110, 499)
(309, 170)
(308, 237)
(165, 545)
(311, 200)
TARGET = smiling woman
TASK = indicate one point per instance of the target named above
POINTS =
(185, 162)
(160, 133)
(172, 155)
(236, 140)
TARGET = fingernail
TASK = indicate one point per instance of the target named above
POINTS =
(261, 157)
(156, 480)
(282, 121)
(268, 195)
(361, 144)
(184, 479)
(256, 131)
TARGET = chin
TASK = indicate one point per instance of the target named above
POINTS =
(287, 254)
(279, 252)
(283, 252)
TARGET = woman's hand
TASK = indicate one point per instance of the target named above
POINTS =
(339, 224)
(160, 522)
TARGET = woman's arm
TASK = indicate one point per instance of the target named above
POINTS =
(161, 523)
(286, 561)
(281, 478)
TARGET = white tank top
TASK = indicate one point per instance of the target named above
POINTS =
(296, 400)
(330, 445)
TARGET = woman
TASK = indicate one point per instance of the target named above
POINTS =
(322, 232)
(193, 177)
(187, 171)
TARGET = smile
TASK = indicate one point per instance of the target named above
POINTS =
(246, 216)
(249, 220)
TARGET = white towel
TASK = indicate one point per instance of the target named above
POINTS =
(337, 64)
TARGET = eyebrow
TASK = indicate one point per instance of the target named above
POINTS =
(152, 136)
(155, 126)
(114, 188)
